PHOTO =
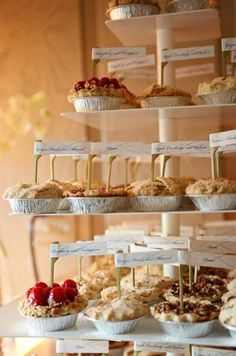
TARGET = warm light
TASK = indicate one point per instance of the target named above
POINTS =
(24, 346)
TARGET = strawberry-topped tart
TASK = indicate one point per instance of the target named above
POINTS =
(99, 94)
(51, 309)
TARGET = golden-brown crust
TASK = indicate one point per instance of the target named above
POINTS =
(163, 90)
(144, 294)
(99, 192)
(228, 313)
(212, 186)
(47, 190)
(159, 187)
(218, 84)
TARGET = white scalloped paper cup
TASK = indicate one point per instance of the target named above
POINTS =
(97, 103)
(132, 10)
(115, 327)
(219, 97)
(156, 203)
(231, 329)
(190, 5)
(214, 202)
(165, 101)
(34, 206)
(97, 205)
(52, 324)
(187, 330)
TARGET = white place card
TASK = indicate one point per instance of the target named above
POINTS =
(160, 347)
(117, 52)
(132, 62)
(209, 351)
(124, 232)
(225, 138)
(126, 149)
(228, 44)
(138, 74)
(212, 260)
(180, 54)
(116, 246)
(137, 248)
(212, 246)
(119, 238)
(82, 248)
(220, 238)
(168, 243)
(195, 70)
(145, 258)
(82, 346)
(61, 148)
(182, 148)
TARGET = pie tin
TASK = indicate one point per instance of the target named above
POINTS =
(214, 202)
(232, 330)
(89, 205)
(156, 203)
(34, 206)
(64, 205)
(187, 329)
(219, 97)
(190, 5)
(132, 10)
(97, 103)
(165, 101)
(52, 324)
(115, 327)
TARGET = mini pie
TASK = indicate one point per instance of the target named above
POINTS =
(48, 190)
(218, 84)
(113, 3)
(117, 310)
(219, 272)
(215, 281)
(228, 313)
(193, 311)
(147, 281)
(199, 291)
(145, 295)
(210, 186)
(158, 187)
(163, 90)
(99, 192)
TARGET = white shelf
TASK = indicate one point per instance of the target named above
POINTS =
(12, 324)
(114, 120)
(198, 25)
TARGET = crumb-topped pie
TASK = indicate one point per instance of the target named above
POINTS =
(47, 190)
(113, 3)
(147, 281)
(212, 186)
(159, 187)
(228, 313)
(143, 294)
(221, 90)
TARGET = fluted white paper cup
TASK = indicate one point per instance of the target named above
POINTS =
(99, 205)
(187, 330)
(219, 97)
(34, 206)
(190, 5)
(115, 327)
(52, 324)
(132, 10)
(165, 101)
(213, 202)
(231, 329)
(156, 203)
(97, 103)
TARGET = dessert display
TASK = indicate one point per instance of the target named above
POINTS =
(143, 294)
(190, 5)
(34, 198)
(117, 316)
(221, 90)
(163, 96)
(99, 94)
(196, 320)
(213, 194)
(51, 309)
(162, 194)
(122, 9)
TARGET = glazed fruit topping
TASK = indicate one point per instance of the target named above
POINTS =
(70, 293)
(41, 285)
(37, 296)
(69, 283)
(94, 82)
(56, 295)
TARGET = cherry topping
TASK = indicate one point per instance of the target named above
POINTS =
(56, 285)
(69, 283)
(41, 285)
(37, 296)
(104, 82)
(47, 291)
(56, 295)
(70, 293)
(115, 82)
(94, 80)
(79, 85)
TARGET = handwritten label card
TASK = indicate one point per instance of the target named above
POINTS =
(159, 347)
(126, 149)
(228, 44)
(194, 70)
(113, 247)
(117, 52)
(223, 138)
(137, 248)
(82, 346)
(212, 260)
(132, 62)
(145, 258)
(82, 248)
(213, 246)
(180, 54)
(182, 148)
(119, 238)
(61, 148)
(167, 243)
(207, 351)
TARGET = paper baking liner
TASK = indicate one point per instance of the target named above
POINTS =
(98, 205)
(64, 205)
(219, 97)
(52, 324)
(132, 10)
(115, 327)
(97, 103)
(213, 202)
(156, 203)
(165, 101)
(187, 330)
(190, 5)
(232, 330)
(34, 206)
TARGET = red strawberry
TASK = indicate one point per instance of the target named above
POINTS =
(94, 80)
(41, 285)
(104, 82)
(70, 293)
(56, 285)
(115, 82)
(37, 296)
(47, 292)
(28, 292)
(56, 295)
(79, 85)
(69, 283)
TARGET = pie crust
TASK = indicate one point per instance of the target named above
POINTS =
(210, 186)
